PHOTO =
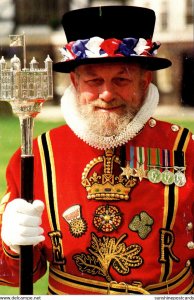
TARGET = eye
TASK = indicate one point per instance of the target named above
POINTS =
(121, 81)
(94, 82)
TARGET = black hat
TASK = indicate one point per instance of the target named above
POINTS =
(110, 34)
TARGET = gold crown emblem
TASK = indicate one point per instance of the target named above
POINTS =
(104, 184)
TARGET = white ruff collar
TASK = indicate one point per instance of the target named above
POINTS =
(77, 124)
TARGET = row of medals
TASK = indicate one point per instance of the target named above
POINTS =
(155, 175)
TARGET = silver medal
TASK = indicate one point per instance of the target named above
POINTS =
(167, 177)
(179, 179)
(154, 175)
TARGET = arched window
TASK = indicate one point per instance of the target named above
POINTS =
(189, 12)
(40, 12)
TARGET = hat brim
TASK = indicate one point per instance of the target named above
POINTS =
(149, 63)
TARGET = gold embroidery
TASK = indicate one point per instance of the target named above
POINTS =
(166, 245)
(142, 224)
(107, 186)
(107, 218)
(106, 252)
(77, 225)
(56, 240)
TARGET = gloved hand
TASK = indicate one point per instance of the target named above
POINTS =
(21, 224)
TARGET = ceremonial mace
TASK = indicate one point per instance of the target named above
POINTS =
(25, 89)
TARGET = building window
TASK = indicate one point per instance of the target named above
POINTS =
(164, 16)
(40, 12)
(107, 2)
(189, 12)
(147, 4)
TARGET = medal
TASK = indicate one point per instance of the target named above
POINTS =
(77, 225)
(179, 178)
(154, 175)
(163, 165)
(140, 171)
(167, 177)
(127, 171)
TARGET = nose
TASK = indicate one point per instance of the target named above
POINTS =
(106, 93)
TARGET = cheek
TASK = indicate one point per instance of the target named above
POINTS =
(129, 95)
(134, 98)
(138, 93)
(87, 97)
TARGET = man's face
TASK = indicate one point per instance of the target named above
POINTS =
(110, 95)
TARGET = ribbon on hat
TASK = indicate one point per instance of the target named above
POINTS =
(98, 47)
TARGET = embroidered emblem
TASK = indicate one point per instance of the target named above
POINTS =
(56, 240)
(77, 225)
(107, 218)
(105, 185)
(106, 253)
(142, 224)
(166, 244)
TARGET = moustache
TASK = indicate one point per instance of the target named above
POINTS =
(106, 105)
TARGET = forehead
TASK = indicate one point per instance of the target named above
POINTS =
(110, 68)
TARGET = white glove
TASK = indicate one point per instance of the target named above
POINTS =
(21, 224)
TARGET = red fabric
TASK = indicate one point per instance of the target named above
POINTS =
(71, 156)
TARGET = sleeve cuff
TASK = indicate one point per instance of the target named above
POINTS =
(10, 253)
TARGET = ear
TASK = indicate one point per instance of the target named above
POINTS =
(147, 78)
(73, 79)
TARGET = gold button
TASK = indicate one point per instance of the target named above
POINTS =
(175, 127)
(188, 263)
(152, 122)
(190, 245)
(190, 226)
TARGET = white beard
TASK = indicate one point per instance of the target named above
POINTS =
(105, 123)
(120, 129)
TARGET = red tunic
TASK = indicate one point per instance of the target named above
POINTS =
(110, 229)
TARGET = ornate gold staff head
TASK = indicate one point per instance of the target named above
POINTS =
(25, 89)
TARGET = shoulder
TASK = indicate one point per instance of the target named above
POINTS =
(55, 133)
(160, 124)
(168, 127)
(60, 138)
(171, 129)
(163, 134)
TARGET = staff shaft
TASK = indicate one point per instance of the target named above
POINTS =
(27, 193)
